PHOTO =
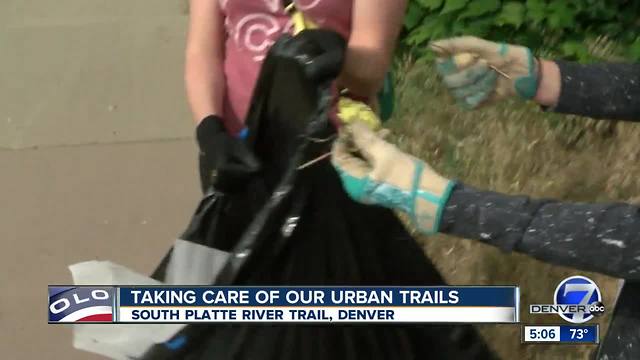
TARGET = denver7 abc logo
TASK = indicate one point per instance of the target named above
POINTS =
(81, 304)
(577, 299)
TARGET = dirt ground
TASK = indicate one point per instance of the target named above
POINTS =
(515, 148)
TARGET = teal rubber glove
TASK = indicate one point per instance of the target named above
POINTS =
(375, 172)
(479, 72)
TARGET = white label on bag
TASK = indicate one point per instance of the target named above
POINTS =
(194, 264)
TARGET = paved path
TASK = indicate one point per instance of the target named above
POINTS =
(96, 156)
(121, 202)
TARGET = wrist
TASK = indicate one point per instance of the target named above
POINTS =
(431, 193)
(527, 86)
(550, 82)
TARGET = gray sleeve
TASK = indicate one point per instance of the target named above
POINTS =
(594, 237)
(601, 91)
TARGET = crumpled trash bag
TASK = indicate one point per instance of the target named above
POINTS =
(622, 340)
(295, 225)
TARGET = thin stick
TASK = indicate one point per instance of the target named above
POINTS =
(490, 66)
(500, 72)
(319, 158)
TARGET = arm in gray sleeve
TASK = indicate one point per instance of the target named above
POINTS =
(594, 237)
(601, 91)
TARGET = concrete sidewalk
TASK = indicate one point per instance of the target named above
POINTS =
(120, 202)
(91, 71)
(97, 160)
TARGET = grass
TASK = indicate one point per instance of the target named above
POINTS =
(514, 148)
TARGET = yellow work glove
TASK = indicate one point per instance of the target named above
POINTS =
(376, 172)
(479, 72)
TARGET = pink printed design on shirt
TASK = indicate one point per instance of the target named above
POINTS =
(273, 5)
(252, 27)
(256, 32)
(304, 5)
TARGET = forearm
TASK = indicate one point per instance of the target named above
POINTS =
(363, 70)
(205, 85)
(602, 91)
(204, 74)
(374, 32)
(593, 237)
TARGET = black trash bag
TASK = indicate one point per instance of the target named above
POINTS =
(295, 225)
(622, 340)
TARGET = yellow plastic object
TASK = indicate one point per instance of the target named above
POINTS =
(349, 110)
(464, 59)
(299, 21)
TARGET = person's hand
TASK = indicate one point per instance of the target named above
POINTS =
(375, 172)
(325, 52)
(329, 50)
(225, 161)
(478, 72)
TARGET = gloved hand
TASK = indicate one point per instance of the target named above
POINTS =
(325, 50)
(479, 72)
(374, 171)
(225, 161)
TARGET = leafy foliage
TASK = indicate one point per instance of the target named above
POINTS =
(563, 27)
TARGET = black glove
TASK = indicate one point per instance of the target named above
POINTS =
(325, 50)
(225, 161)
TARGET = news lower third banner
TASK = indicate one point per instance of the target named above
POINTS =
(104, 304)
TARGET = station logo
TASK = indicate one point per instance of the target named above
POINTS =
(577, 299)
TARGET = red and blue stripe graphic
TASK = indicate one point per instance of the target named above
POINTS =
(81, 304)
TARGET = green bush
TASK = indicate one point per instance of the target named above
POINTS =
(563, 27)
